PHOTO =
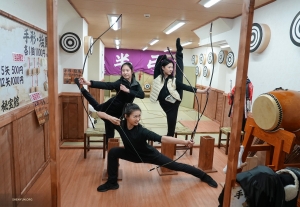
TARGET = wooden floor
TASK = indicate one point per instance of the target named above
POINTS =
(80, 178)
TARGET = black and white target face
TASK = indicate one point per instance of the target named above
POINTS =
(256, 37)
(70, 42)
(230, 60)
(194, 59)
(147, 86)
(201, 59)
(221, 56)
(295, 30)
(197, 70)
(205, 71)
(210, 58)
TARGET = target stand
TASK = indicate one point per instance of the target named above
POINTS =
(277, 144)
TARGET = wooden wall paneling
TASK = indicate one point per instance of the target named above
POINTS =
(6, 167)
(74, 120)
(212, 104)
(226, 121)
(31, 150)
(195, 102)
(16, 156)
(203, 101)
(219, 108)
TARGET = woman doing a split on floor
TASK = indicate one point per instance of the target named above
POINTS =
(137, 150)
(168, 89)
(127, 89)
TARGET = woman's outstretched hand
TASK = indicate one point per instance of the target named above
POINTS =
(123, 88)
(206, 90)
(84, 82)
(114, 120)
(189, 143)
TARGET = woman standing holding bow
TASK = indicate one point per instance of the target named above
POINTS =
(137, 150)
(168, 89)
(127, 89)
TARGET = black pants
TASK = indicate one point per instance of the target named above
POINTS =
(109, 127)
(117, 153)
(179, 70)
(171, 111)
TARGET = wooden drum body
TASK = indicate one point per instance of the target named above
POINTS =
(277, 109)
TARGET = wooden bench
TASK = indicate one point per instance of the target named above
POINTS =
(186, 132)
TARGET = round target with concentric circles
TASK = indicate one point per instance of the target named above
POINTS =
(221, 56)
(230, 60)
(295, 30)
(70, 42)
(256, 37)
(147, 86)
(202, 58)
(205, 71)
(210, 58)
(197, 70)
(194, 59)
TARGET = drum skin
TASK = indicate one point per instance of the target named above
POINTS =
(277, 109)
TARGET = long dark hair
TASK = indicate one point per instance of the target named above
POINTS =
(164, 63)
(130, 66)
(131, 107)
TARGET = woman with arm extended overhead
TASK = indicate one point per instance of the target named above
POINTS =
(168, 89)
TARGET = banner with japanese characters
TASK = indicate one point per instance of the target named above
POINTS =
(141, 60)
(23, 64)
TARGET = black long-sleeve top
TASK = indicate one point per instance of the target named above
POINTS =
(135, 140)
(116, 104)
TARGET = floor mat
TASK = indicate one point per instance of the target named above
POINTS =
(203, 126)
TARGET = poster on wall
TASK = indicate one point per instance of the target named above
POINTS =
(70, 74)
(23, 64)
(141, 60)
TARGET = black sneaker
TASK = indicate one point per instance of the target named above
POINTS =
(107, 186)
(178, 45)
(76, 80)
(207, 179)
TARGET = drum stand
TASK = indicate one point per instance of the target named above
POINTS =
(277, 144)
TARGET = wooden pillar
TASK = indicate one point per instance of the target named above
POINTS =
(206, 154)
(239, 97)
(53, 102)
(167, 150)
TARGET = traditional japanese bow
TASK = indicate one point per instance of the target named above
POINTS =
(199, 116)
(86, 56)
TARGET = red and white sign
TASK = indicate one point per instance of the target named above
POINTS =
(35, 96)
(17, 57)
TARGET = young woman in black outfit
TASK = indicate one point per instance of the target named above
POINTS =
(136, 148)
(168, 89)
(127, 89)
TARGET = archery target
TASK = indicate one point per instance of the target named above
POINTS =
(222, 56)
(147, 86)
(211, 58)
(202, 59)
(194, 59)
(205, 72)
(197, 71)
(260, 37)
(70, 42)
(295, 30)
(230, 60)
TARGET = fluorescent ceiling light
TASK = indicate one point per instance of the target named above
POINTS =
(117, 46)
(175, 25)
(117, 42)
(145, 48)
(224, 46)
(167, 50)
(112, 19)
(208, 3)
(186, 43)
(152, 42)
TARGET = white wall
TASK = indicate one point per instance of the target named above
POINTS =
(96, 62)
(34, 12)
(278, 65)
(31, 11)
